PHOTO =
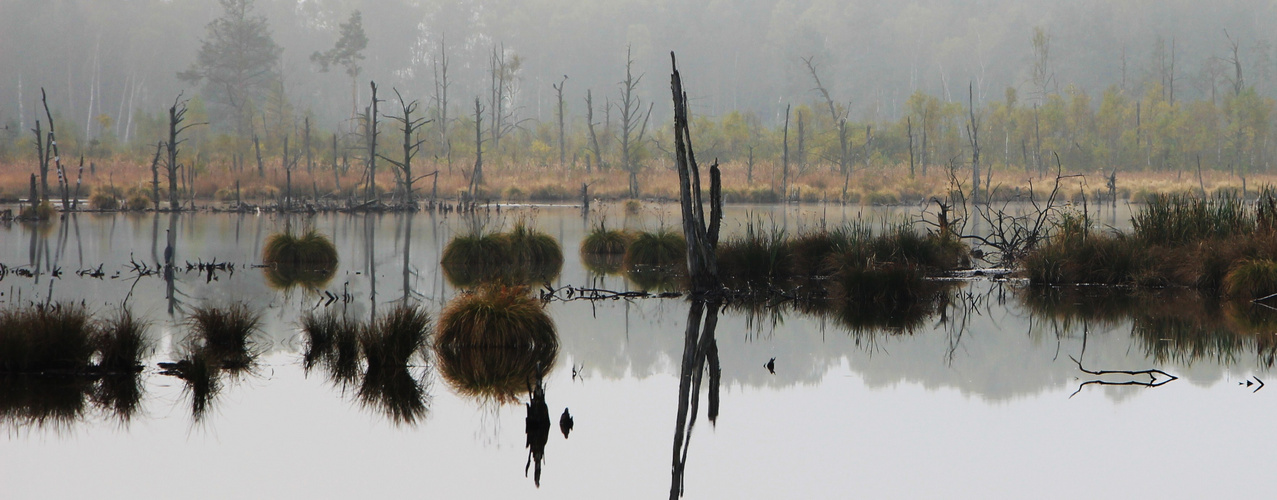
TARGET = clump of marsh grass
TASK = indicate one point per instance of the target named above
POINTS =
(534, 251)
(104, 201)
(604, 241)
(472, 258)
(42, 339)
(1251, 279)
(496, 316)
(520, 256)
(494, 342)
(390, 345)
(661, 248)
(224, 333)
(219, 341)
(309, 260)
(1180, 219)
(395, 338)
(311, 249)
(55, 359)
(332, 340)
(757, 259)
(121, 343)
(603, 249)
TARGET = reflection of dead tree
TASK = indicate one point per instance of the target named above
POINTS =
(1152, 374)
(699, 347)
(702, 239)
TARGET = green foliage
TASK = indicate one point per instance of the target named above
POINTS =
(1176, 219)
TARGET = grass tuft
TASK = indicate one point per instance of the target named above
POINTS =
(495, 342)
(1251, 279)
(309, 260)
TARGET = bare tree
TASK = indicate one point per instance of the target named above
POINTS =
(503, 73)
(558, 89)
(370, 140)
(632, 130)
(594, 138)
(412, 141)
(476, 175)
(441, 100)
(973, 135)
(784, 160)
(176, 115)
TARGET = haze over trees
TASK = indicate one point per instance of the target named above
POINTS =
(1105, 85)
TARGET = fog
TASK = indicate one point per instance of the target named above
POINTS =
(114, 57)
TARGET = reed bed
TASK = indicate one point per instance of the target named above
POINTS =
(1214, 245)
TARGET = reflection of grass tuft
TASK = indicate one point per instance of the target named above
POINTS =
(40, 339)
(309, 260)
(661, 248)
(494, 342)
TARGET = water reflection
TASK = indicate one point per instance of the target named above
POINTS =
(699, 348)
(537, 428)
(385, 361)
(57, 402)
(1170, 326)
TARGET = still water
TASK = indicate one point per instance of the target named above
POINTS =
(979, 400)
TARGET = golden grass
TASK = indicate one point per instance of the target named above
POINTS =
(877, 184)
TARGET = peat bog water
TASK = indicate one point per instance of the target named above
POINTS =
(980, 399)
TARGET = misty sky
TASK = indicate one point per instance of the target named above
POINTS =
(118, 55)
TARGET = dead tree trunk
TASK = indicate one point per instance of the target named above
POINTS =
(701, 233)
(257, 149)
(411, 128)
(594, 138)
(370, 132)
(176, 115)
(973, 134)
(784, 161)
(563, 152)
(909, 130)
(155, 175)
(441, 100)
(336, 166)
(51, 143)
(631, 106)
(310, 162)
(476, 175)
(42, 156)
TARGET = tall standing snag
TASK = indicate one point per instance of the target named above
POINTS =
(412, 141)
(701, 234)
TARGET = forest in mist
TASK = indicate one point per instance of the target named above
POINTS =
(1104, 84)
